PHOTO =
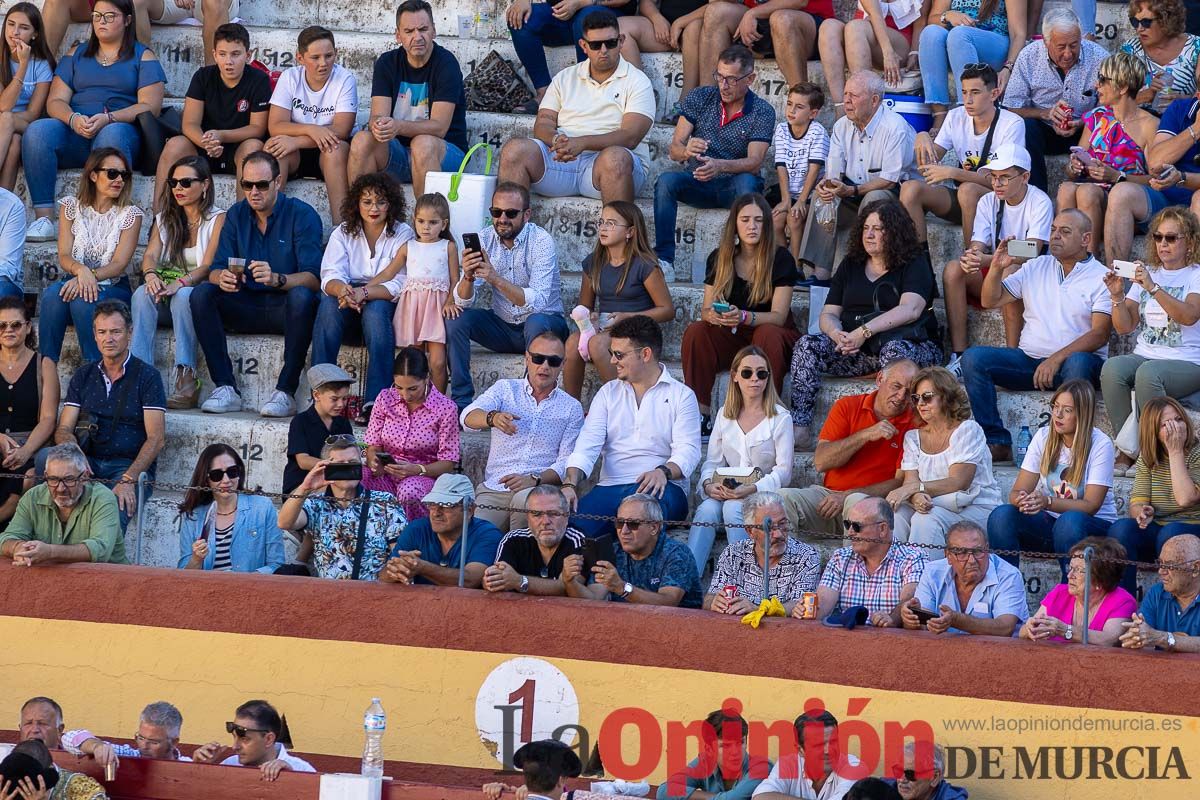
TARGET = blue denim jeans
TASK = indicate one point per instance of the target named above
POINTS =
(55, 314)
(373, 327)
(944, 52)
(673, 188)
(1144, 544)
(714, 512)
(543, 30)
(176, 312)
(1008, 528)
(48, 146)
(292, 313)
(985, 368)
(481, 325)
(110, 470)
(1086, 11)
(8, 288)
(400, 162)
(605, 500)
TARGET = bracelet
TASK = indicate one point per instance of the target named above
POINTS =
(537, 478)
(567, 485)
(1193, 133)
(108, 115)
(74, 114)
(153, 272)
(753, 318)
(744, 315)
(491, 415)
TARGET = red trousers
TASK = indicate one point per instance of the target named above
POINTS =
(709, 350)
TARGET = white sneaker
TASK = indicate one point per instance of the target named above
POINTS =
(280, 405)
(223, 400)
(954, 367)
(42, 229)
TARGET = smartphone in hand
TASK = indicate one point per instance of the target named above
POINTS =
(343, 471)
(471, 242)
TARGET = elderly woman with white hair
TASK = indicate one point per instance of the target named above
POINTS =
(795, 567)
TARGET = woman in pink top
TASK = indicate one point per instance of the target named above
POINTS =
(1060, 617)
(413, 434)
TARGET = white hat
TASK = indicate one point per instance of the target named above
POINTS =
(1008, 155)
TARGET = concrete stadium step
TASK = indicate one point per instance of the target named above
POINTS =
(160, 531)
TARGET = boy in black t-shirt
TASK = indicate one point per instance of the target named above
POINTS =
(418, 106)
(224, 113)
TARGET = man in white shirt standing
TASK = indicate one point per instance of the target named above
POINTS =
(645, 424)
(870, 154)
(1068, 321)
(257, 730)
(793, 778)
(589, 135)
(534, 426)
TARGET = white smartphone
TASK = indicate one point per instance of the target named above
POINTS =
(1125, 269)
(1023, 248)
(1084, 157)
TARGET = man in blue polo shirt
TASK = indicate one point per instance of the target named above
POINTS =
(115, 409)
(271, 287)
(1169, 618)
(429, 549)
(721, 140)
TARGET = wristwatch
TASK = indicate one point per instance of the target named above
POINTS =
(1170, 641)
(665, 470)
(921, 487)
(1070, 633)
(628, 590)
(524, 587)
(867, 332)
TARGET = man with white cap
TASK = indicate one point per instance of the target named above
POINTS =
(1012, 210)
(1067, 323)
(429, 550)
(323, 420)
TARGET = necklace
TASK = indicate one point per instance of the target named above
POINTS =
(104, 60)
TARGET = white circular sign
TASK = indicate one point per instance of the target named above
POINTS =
(524, 700)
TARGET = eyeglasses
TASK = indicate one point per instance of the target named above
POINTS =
(729, 80)
(142, 740)
(377, 203)
(14, 325)
(611, 44)
(859, 527)
(69, 481)
(240, 731)
(544, 358)
(1102, 80)
(112, 173)
(443, 506)
(233, 473)
(541, 514)
(341, 438)
(1003, 180)
(184, 182)
(962, 554)
(922, 398)
(1062, 411)
(106, 16)
(1169, 238)
(1134, 22)
(747, 373)
(261, 186)
(1076, 569)
(612, 223)
(507, 213)
(632, 524)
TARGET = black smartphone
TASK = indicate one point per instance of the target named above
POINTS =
(924, 615)
(343, 471)
(597, 550)
(471, 242)
(385, 458)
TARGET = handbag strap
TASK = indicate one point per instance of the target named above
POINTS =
(364, 508)
(128, 379)
(985, 155)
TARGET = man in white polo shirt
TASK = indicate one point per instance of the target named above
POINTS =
(1067, 323)
(589, 135)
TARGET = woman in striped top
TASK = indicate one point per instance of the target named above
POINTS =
(1166, 495)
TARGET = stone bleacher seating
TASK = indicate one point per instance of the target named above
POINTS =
(470, 29)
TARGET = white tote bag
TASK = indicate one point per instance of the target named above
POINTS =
(817, 295)
(470, 196)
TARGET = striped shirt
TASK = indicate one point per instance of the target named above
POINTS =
(222, 561)
(795, 573)
(847, 573)
(519, 549)
(796, 155)
(1153, 486)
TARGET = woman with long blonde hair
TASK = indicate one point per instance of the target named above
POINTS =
(1064, 490)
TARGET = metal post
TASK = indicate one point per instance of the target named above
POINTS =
(766, 528)
(141, 517)
(1088, 552)
(462, 546)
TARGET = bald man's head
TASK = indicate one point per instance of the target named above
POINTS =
(1183, 552)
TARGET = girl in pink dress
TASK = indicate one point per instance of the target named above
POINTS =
(430, 267)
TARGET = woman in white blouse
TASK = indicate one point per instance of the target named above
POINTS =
(182, 243)
(947, 468)
(372, 230)
(752, 433)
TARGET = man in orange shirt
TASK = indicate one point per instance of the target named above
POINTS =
(859, 451)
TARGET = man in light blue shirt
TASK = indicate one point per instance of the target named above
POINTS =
(12, 244)
(973, 590)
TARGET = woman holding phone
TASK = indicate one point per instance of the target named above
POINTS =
(1163, 307)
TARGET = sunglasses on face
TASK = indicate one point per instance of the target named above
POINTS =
(261, 186)
(184, 182)
(240, 732)
(112, 173)
(747, 373)
(234, 472)
(507, 213)
(611, 44)
(909, 775)
(543, 358)
(15, 325)
(1169, 238)
(632, 524)
(1142, 22)
(923, 397)
(858, 527)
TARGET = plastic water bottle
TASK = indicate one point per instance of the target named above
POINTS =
(583, 319)
(374, 724)
(1023, 440)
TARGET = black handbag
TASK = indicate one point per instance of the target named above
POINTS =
(915, 331)
(155, 131)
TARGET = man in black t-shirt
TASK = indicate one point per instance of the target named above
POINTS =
(530, 561)
(224, 113)
(418, 106)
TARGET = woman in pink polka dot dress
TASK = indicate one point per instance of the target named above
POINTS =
(417, 426)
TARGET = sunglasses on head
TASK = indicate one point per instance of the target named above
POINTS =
(543, 358)
(1169, 238)
(240, 731)
(1142, 22)
(746, 374)
(507, 213)
(611, 44)
(233, 473)
(112, 173)
(184, 182)
(341, 438)
(262, 186)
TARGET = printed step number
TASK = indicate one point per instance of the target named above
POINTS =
(525, 700)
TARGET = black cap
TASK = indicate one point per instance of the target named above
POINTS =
(551, 753)
(16, 766)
